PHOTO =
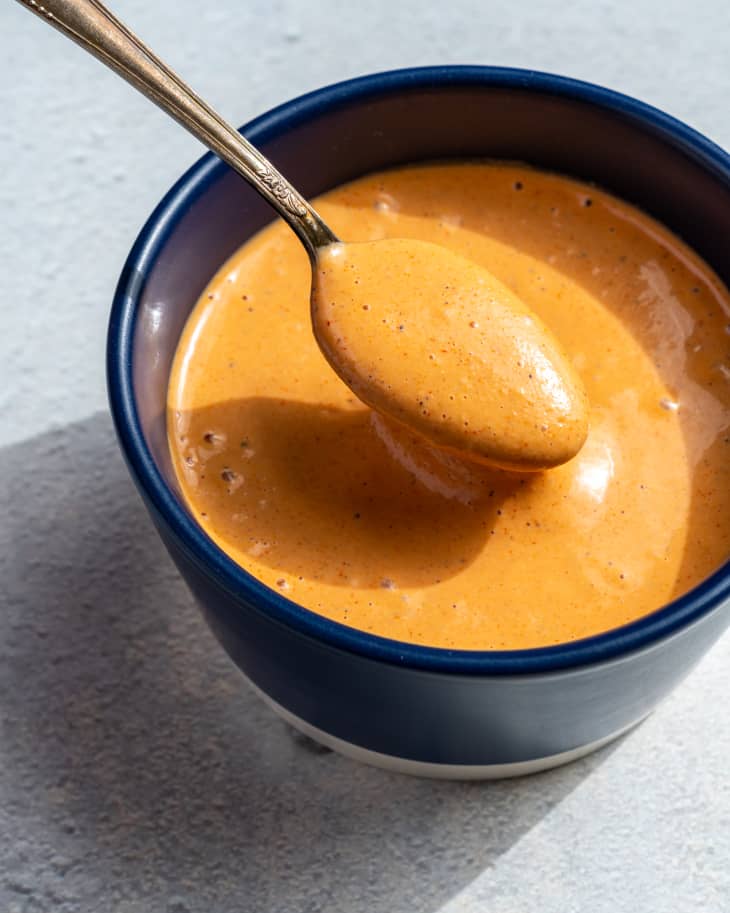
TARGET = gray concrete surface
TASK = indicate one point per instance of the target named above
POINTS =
(137, 773)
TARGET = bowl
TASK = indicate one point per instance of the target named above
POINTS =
(410, 708)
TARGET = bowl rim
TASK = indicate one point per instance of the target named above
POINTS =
(210, 558)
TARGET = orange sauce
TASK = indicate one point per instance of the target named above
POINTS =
(351, 516)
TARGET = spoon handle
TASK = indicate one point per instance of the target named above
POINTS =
(90, 24)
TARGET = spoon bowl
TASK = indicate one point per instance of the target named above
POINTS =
(438, 344)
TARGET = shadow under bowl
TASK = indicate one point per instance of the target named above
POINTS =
(417, 709)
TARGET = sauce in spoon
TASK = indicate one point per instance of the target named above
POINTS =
(437, 343)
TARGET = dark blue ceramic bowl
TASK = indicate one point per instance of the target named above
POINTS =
(423, 710)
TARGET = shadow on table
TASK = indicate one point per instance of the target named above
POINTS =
(140, 773)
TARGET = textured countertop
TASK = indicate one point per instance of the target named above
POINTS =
(137, 772)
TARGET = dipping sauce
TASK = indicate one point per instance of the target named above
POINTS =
(440, 345)
(351, 516)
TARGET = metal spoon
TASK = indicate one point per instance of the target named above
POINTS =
(553, 402)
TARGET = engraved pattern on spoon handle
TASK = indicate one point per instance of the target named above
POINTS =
(90, 24)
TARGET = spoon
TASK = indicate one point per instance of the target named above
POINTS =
(481, 377)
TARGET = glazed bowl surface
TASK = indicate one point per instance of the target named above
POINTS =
(412, 708)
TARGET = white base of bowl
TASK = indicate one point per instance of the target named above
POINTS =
(438, 771)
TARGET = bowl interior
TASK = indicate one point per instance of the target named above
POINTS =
(340, 133)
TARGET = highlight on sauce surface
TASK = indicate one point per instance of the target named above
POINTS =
(437, 343)
(350, 514)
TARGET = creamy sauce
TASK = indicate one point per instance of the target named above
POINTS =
(348, 514)
(440, 345)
